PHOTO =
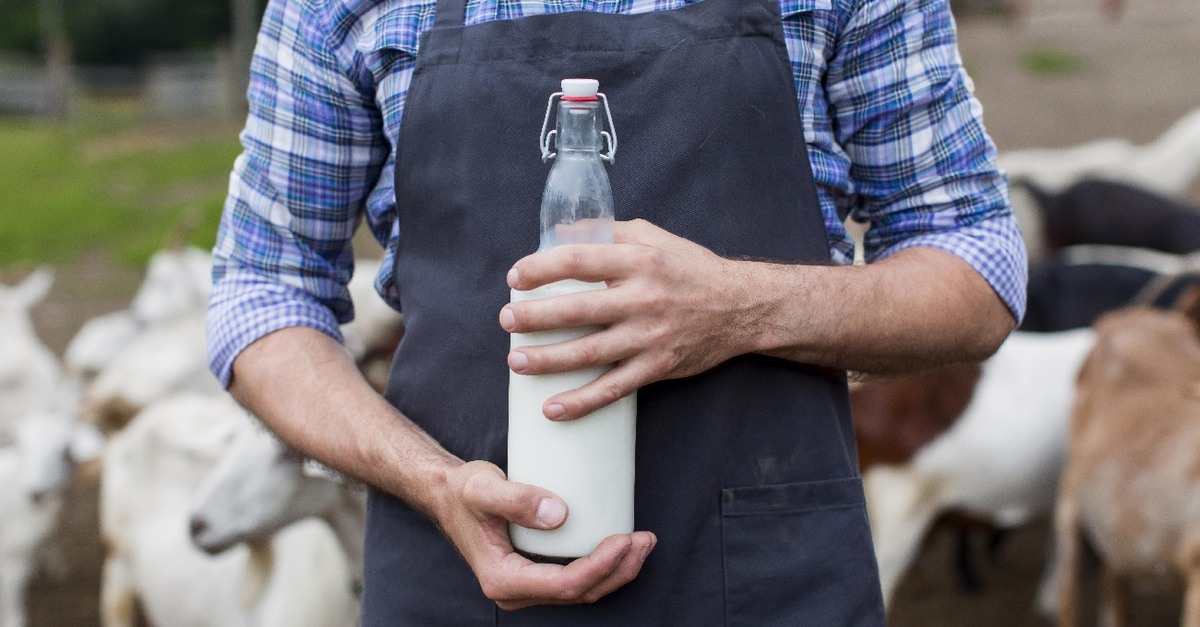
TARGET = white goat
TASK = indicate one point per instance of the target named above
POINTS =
(298, 578)
(1168, 165)
(29, 372)
(261, 486)
(999, 462)
(166, 359)
(178, 281)
(160, 344)
(177, 284)
(99, 341)
(372, 336)
(37, 456)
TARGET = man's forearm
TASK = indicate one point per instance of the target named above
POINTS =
(302, 384)
(918, 309)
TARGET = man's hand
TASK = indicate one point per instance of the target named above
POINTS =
(475, 513)
(297, 378)
(671, 310)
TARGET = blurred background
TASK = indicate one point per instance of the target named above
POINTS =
(118, 128)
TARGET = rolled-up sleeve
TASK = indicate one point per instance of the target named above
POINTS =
(923, 170)
(312, 150)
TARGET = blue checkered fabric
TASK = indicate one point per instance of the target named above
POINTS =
(894, 136)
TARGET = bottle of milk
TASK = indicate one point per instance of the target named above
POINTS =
(588, 462)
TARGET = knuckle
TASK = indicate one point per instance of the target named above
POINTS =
(666, 361)
(589, 352)
(654, 257)
(656, 333)
(475, 489)
(611, 392)
(574, 259)
(657, 302)
(652, 302)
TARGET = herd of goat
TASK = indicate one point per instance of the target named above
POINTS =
(205, 517)
(1089, 416)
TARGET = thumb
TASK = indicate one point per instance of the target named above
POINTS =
(489, 493)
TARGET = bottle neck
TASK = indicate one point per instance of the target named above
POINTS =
(579, 126)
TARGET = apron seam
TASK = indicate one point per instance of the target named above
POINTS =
(458, 60)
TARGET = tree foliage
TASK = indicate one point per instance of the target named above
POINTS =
(19, 25)
(121, 31)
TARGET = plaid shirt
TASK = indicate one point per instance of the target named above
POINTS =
(894, 137)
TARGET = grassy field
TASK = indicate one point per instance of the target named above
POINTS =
(108, 179)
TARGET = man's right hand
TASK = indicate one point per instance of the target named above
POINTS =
(480, 502)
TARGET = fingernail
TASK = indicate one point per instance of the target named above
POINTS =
(512, 278)
(554, 411)
(550, 512)
(507, 319)
(518, 361)
(646, 549)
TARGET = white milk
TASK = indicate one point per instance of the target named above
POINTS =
(588, 462)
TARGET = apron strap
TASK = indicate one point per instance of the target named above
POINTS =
(450, 13)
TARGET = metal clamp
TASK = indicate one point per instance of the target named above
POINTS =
(547, 135)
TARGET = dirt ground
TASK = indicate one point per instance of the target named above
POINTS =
(1132, 79)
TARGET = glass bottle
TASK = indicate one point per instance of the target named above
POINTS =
(588, 462)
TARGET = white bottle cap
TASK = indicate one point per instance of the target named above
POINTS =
(580, 87)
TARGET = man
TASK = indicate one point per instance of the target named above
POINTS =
(747, 133)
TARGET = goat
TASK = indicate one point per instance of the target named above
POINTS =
(152, 468)
(29, 372)
(1071, 289)
(166, 359)
(998, 462)
(98, 341)
(260, 486)
(1131, 482)
(1167, 166)
(177, 282)
(373, 335)
(1095, 211)
(37, 456)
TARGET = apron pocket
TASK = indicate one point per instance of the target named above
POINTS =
(799, 554)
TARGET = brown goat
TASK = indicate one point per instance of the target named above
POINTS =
(1132, 480)
(896, 418)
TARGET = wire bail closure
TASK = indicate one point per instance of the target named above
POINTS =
(547, 135)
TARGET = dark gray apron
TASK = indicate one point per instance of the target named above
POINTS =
(747, 472)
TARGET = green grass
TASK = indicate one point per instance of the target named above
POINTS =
(106, 180)
(1051, 62)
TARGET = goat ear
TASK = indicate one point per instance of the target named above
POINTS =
(87, 443)
(34, 288)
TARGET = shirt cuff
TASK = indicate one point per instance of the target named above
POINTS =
(993, 247)
(245, 306)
